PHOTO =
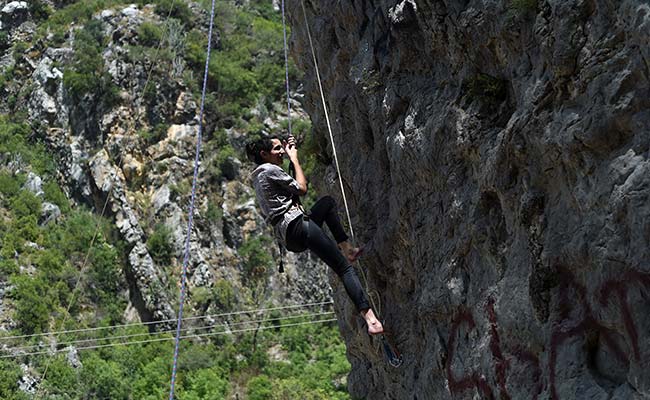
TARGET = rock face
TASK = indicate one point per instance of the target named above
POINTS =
(496, 157)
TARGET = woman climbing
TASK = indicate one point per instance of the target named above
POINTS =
(277, 193)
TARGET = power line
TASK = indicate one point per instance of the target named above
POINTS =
(171, 338)
(226, 325)
(166, 320)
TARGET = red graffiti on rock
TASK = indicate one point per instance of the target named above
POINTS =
(575, 320)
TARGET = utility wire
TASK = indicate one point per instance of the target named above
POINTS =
(172, 338)
(226, 325)
(100, 328)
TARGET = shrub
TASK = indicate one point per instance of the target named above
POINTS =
(104, 379)
(10, 243)
(523, 6)
(19, 50)
(8, 267)
(61, 380)
(259, 388)
(175, 9)
(214, 214)
(10, 184)
(39, 10)
(105, 272)
(55, 195)
(209, 383)
(26, 227)
(223, 295)
(86, 73)
(216, 166)
(13, 138)
(154, 135)
(31, 304)
(195, 48)
(159, 245)
(75, 234)
(5, 41)
(10, 374)
(50, 264)
(79, 11)
(58, 35)
(26, 204)
(149, 34)
(232, 81)
(180, 189)
(486, 88)
(255, 254)
(152, 382)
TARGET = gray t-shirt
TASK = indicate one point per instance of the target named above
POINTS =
(274, 190)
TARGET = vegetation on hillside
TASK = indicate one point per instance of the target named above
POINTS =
(69, 272)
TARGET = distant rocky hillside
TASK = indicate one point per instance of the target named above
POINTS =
(496, 157)
(113, 94)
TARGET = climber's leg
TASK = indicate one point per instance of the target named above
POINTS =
(325, 210)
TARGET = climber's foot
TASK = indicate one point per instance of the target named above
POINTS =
(352, 254)
(374, 326)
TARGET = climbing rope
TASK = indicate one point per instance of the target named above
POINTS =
(190, 218)
(327, 119)
(371, 294)
(286, 67)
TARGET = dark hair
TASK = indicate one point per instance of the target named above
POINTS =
(255, 146)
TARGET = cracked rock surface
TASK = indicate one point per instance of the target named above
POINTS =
(495, 155)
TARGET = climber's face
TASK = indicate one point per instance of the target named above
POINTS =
(274, 156)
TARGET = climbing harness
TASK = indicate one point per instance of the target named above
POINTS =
(391, 353)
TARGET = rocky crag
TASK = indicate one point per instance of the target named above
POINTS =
(109, 162)
(495, 155)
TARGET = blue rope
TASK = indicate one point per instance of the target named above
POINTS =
(286, 67)
(191, 211)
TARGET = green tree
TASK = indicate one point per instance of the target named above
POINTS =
(31, 303)
(205, 384)
(26, 204)
(10, 184)
(259, 388)
(61, 379)
(10, 373)
(152, 382)
(104, 379)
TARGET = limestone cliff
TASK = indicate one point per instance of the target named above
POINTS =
(495, 155)
(128, 154)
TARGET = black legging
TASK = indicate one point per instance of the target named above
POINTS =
(308, 234)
